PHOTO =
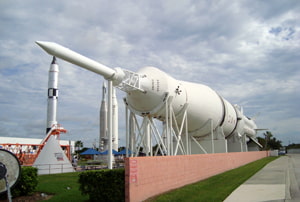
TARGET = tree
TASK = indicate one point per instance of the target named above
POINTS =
(262, 141)
(78, 146)
(274, 143)
(270, 142)
(121, 148)
(267, 135)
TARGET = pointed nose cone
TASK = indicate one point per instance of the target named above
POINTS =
(49, 47)
(40, 43)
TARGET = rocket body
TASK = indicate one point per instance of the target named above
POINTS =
(103, 120)
(52, 95)
(204, 105)
(115, 124)
(203, 102)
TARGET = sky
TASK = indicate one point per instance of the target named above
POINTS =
(248, 51)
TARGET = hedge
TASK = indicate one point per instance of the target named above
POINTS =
(103, 185)
(26, 184)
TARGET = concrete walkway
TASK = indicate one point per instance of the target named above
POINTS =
(277, 181)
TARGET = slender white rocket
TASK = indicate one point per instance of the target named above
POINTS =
(103, 120)
(52, 95)
(109, 124)
(115, 124)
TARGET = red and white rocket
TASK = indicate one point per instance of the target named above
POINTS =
(52, 95)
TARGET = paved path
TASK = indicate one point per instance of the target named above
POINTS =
(277, 181)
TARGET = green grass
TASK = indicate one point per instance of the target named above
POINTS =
(216, 188)
(64, 187)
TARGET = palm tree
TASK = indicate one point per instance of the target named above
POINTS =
(271, 142)
(78, 146)
(268, 136)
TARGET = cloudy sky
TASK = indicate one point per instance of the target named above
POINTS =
(248, 51)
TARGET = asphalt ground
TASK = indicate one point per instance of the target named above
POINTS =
(277, 181)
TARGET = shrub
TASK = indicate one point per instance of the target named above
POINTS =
(27, 182)
(103, 185)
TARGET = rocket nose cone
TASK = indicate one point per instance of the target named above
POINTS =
(49, 47)
(40, 43)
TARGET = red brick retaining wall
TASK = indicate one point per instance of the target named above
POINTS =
(150, 176)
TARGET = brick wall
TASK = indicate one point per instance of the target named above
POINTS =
(150, 176)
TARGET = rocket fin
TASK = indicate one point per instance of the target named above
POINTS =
(260, 129)
(256, 142)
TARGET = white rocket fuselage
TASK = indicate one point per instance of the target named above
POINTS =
(52, 95)
(203, 103)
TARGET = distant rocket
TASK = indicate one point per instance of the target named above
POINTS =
(103, 121)
(115, 133)
(103, 140)
(52, 95)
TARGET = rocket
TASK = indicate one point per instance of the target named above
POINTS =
(148, 90)
(115, 124)
(52, 95)
(103, 120)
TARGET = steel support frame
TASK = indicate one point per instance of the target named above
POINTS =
(167, 138)
(213, 142)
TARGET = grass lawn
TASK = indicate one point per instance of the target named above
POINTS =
(216, 188)
(64, 187)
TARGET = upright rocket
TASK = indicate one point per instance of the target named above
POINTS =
(103, 121)
(52, 95)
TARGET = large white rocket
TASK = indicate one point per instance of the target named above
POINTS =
(52, 95)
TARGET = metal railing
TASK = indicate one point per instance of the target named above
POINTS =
(53, 168)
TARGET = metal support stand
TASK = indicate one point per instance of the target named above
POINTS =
(127, 131)
(145, 135)
(8, 190)
(237, 143)
(214, 142)
(109, 124)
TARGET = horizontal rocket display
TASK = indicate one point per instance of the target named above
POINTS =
(148, 88)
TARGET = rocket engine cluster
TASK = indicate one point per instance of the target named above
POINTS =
(148, 90)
